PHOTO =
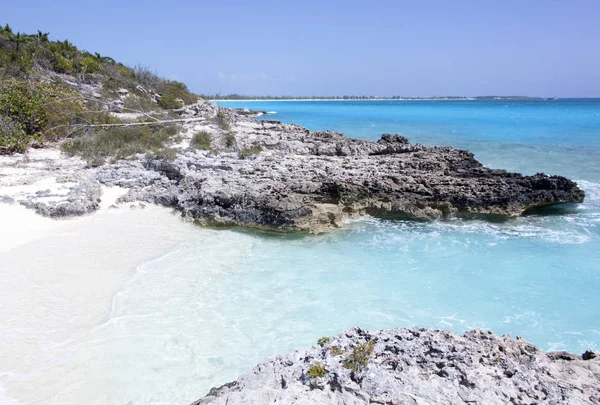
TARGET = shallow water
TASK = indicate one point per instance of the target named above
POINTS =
(209, 304)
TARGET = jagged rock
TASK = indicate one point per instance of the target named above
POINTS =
(270, 175)
(123, 92)
(416, 366)
(249, 113)
(96, 95)
(312, 181)
(141, 89)
(50, 183)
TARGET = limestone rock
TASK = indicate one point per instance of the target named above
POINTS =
(312, 181)
(270, 175)
(416, 366)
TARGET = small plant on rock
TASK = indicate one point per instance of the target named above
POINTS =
(316, 370)
(336, 351)
(360, 356)
(201, 140)
(229, 139)
(323, 341)
(223, 121)
(254, 150)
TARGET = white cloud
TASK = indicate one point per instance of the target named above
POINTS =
(221, 76)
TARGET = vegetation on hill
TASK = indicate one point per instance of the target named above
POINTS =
(52, 91)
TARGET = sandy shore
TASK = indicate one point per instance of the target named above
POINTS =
(57, 282)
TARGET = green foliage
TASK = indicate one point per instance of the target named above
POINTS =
(336, 351)
(223, 121)
(229, 139)
(12, 136)
(323, 341)
(126, 71)
(89, 65)
(119, 142)
(255, 150)
(201, 140)
(316, 370)
(32, 112)
(40, 111)
(359, 356)
(171, 92)
(62, 64)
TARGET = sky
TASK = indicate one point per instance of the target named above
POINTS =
(319, 47)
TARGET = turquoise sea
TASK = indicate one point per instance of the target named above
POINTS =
(225, 300)
(537, 277)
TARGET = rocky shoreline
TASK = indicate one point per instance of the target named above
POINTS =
(275, 176)
(417, 366)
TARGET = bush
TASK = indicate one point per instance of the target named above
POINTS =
(89, 65)
(147, 78)
(62, 64)
(15, 64)
(97, 145)
(201, 140)
(316, 370)
(323, 341)
(255, 150)
(12, 137)
(170, 91)
(336, 351)
(41, 110)
(229, 139)
(359, 356)
(223, 121)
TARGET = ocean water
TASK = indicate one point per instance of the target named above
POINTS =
(221, 301)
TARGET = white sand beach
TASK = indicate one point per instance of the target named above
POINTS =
(57, 281)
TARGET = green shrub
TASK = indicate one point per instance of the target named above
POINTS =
(336, 351)
(255, 150)
(62, 64)
(89, 65)
(223, 121)
(120, 142)
(170, 91)
(15, 64)
(316, 370)
(201, 140)
(12, 137)
(323, 341)
(43, 111)
(360, 356)
(229, 139)
(126, 71)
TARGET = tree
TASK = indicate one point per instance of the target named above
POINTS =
(41, 36)
(101, 58)
(18, 39)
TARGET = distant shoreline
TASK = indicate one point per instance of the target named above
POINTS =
(394, 99)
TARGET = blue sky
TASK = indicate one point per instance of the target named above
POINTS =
(413, 48)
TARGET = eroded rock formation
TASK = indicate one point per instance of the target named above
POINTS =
(417, 367)
(270, 175)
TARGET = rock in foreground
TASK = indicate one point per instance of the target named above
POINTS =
(417, 366)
